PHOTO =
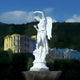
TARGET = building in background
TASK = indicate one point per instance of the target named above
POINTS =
(19, 43)
(34, 37)
(65, 53)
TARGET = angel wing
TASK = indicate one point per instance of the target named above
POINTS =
(49, 27)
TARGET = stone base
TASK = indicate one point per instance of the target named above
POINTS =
(39, 66)
(38, 69)
(42, 75)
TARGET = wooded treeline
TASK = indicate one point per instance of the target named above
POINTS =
(64, 35)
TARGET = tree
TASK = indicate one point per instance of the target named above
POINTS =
(29, 64)
(1, 49)
(10, 54)
(11, 30)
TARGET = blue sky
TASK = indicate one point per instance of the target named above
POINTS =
(20, 11)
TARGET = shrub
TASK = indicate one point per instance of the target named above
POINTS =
(70, 68)
(29, 64)
(19, 61)
(50, 65)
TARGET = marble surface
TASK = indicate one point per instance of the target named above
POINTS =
(44, 30)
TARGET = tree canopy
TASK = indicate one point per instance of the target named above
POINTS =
(65, 35)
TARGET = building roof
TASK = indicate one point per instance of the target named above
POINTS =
(32, 37)
(15, 34)
(7, 36)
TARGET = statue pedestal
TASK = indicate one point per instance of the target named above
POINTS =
(42, 75)
(39, 66)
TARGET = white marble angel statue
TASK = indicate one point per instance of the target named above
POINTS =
(44, 29)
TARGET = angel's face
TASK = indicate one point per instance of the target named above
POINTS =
(37, 18)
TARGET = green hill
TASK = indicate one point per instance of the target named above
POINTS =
(65, 35)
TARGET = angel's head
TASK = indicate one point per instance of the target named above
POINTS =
(37, 18)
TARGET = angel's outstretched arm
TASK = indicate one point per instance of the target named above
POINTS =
(35, 27)
(40, 13)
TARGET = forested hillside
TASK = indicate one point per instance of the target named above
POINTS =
(65, 35)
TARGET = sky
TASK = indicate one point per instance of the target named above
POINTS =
(21, 11)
